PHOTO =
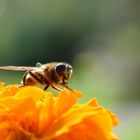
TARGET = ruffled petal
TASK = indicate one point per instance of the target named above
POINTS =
(29, 113)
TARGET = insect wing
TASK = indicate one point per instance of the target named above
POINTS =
(16, 68)
(38, 64)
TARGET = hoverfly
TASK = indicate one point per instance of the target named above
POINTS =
(49, 75)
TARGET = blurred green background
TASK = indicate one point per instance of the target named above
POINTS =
(101, 39)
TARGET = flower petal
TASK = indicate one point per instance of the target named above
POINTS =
(29, 91)
(32, 114)
(65, 100)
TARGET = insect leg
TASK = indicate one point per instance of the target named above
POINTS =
(64, 84)
(67, 87)
(56, 88)
(24, 78)
(35, 77)
(46, 86)
(23, 81)
(40, 80)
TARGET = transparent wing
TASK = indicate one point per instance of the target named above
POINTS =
(38, 64)
(17, 68)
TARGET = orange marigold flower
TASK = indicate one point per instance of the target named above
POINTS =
(30, 113)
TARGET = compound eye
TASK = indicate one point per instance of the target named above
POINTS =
(69, 68)
(60, 67)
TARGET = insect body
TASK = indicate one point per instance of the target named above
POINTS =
(51, 74)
